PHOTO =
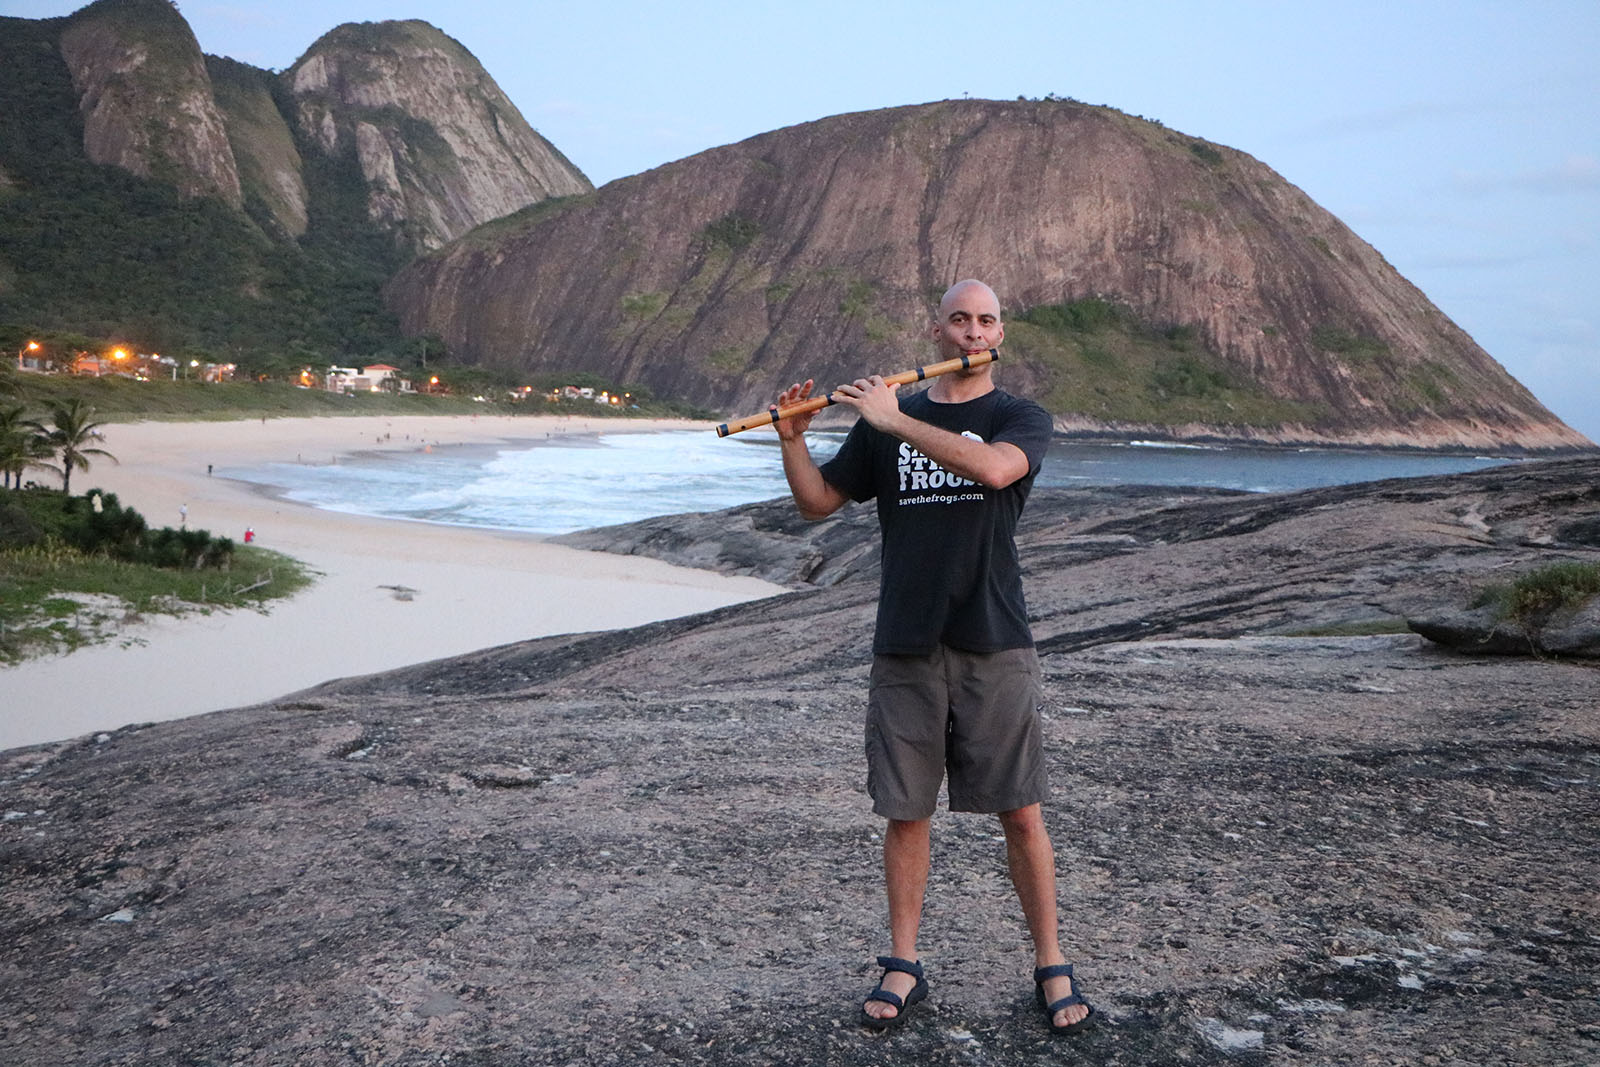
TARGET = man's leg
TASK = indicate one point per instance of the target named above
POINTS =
(1033, 873)
(905, 875)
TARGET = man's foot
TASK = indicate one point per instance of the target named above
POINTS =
(897, 982)
(1058, 994)
(901, 986)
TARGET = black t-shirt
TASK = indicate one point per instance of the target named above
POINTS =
(950, 569)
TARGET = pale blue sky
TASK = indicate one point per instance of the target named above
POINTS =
(1461, 139)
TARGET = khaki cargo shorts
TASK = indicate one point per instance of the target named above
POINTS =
(971, 716)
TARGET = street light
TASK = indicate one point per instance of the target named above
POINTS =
(31, 346)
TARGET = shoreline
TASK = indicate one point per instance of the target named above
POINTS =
(390, 592)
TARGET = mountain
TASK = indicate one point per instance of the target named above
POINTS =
(440, 147)
(136, 60)
(195, 203)
(1155, 283)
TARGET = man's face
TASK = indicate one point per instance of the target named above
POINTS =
(969, 322)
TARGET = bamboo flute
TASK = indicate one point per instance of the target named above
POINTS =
(816, 403)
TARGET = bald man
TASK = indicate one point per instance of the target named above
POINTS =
(955, 682)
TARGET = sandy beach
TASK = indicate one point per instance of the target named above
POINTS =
(391, 593)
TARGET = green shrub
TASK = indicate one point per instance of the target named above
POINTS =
(111, 530)
(1535, 596)
(1187, 377)
(643, 305)
(1076, 316)
(732, 230)
(859, 298)
(17, 528)
(1346, 342)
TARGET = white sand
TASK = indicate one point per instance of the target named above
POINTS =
(471, 589)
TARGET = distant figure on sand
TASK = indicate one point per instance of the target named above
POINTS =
(183, 516)
(955, 680)
(249, 535)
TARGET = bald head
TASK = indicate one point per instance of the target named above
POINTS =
(971, 292)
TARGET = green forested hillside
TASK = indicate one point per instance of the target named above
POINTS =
(99, 252)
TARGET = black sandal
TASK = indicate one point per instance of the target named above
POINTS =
(1041, 975)
(918, 991)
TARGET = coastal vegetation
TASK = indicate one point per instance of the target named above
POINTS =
(75, 570)
(460, 391)
(1103, 359)
(70, 436)
(1534, 597)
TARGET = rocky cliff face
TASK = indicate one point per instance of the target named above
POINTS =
(271, 170)
(146, 99)
(1154, 283)
(440, 147)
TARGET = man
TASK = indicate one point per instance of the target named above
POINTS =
(954, 679)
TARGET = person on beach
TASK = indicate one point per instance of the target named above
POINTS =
(955, 684)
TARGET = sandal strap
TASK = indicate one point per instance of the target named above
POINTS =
(895, 963)
(1041, 975)
(1066, 1002)
(887, 997)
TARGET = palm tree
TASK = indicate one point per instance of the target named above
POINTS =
(71, 434)
(22, 445)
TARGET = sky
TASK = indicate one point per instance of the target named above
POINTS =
(1460, 138)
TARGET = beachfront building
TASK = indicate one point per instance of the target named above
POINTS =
(33, 357)
(374, 378)
(346, 380)
(385, 378)
(89, 366)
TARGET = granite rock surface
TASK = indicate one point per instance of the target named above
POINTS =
(1285, 832)
(821, 249)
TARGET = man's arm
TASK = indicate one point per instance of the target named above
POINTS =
(994, 465)
(814, 497)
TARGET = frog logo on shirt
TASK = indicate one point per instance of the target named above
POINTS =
(919, 473)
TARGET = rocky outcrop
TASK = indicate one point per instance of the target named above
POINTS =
(436, 147)
(440, 147)
(1485, 631)
(271, 172)
(652, 845)
(770, 541)
(146, 99)
(1103, 564)
(1204, 295)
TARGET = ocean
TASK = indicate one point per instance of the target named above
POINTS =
(568, 484)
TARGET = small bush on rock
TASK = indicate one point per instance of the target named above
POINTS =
(1537, 595)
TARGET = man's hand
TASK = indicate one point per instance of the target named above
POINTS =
(993, 465)
(813, 496)
(874, 400)
(792, 428)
